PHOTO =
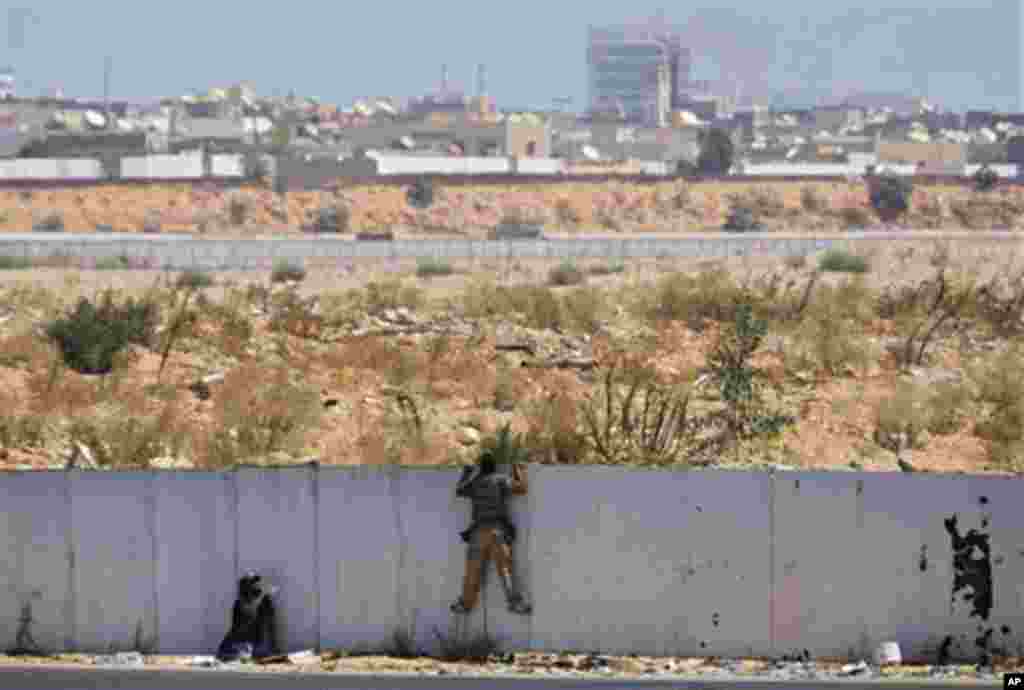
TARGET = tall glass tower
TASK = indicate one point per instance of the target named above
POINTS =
(624, 63)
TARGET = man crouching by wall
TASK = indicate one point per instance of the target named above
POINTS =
(491, 533)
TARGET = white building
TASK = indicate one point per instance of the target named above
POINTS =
(7, 89)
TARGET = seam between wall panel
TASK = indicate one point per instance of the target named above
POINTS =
(771, 564)
(70, 632)
(315, 478)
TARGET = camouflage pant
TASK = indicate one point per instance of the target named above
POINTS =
(487, 543)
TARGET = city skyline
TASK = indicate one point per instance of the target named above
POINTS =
(963, 57)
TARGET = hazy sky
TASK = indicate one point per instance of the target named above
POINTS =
(534, 50)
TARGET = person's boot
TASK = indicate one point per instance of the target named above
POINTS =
(459, 607)
(516, 604)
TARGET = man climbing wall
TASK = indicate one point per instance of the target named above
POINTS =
(491, 534)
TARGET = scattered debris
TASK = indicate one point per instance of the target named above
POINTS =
(888, 654)
(121, 660)
(856, 669)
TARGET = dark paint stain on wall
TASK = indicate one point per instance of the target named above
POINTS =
(972, 571)
(715, 619)
(972, 566)
(983, 500)
(922, 560)
(944, 651)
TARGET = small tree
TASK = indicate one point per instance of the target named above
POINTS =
(421, 194)
(890, 194)
(716, 152)
(985, 179)
(746, 415)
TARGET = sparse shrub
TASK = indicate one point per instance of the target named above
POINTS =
(421, 194)
(476, 649)
(566, 213)
(944, 302)
(20, 430)
(240, 208)
(258, 411)
(553, 430)
(742, 219)
(711, 295)
(841, 261)
(430, 267)
(403, 645)
(335, 218)
(891, 194)
(855, 216)
(292, 314)
(607, 269)
(389, 294)
(716, 152)
(14, 263)
(812, 201)
(746, 415)
(1000, 304)
(152, 222)
(91, 335)
(112, 263)
(539, 306)
(583, 308)
(765, 202)
(985, 179)
(902, 417)
(795, 262)
(192, 279)
(287, 271)
(830, 340)
(566, 273)
(1000, 384)
(128, 439)
(49, 221)
(631, 418)
(948, 407)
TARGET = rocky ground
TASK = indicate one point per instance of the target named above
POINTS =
(371, 364)
(537, 664)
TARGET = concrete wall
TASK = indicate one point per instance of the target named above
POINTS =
(179, 252)
(393, 164)
(163, 167)
(614, 560)
(227, 165)
(50, 169)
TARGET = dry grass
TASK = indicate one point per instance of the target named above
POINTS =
(403, 398)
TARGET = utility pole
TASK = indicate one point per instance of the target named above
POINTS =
(107, 67)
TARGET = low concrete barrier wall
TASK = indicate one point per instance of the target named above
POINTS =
(183, 252)
(615, 560)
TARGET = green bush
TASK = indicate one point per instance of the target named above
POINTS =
(716, 152)
(429, 268)
(607, 269)
(839, 261)
(112, 263)
(192, 279)
(14, 263)
(421, 194)
(985, 179)
(566, 273)
(90, 336)
(742, 219)
(287, 271)
(891, 193)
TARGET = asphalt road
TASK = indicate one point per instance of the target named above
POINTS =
(35, 678)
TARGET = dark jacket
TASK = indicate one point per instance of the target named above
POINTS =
(489, 494)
